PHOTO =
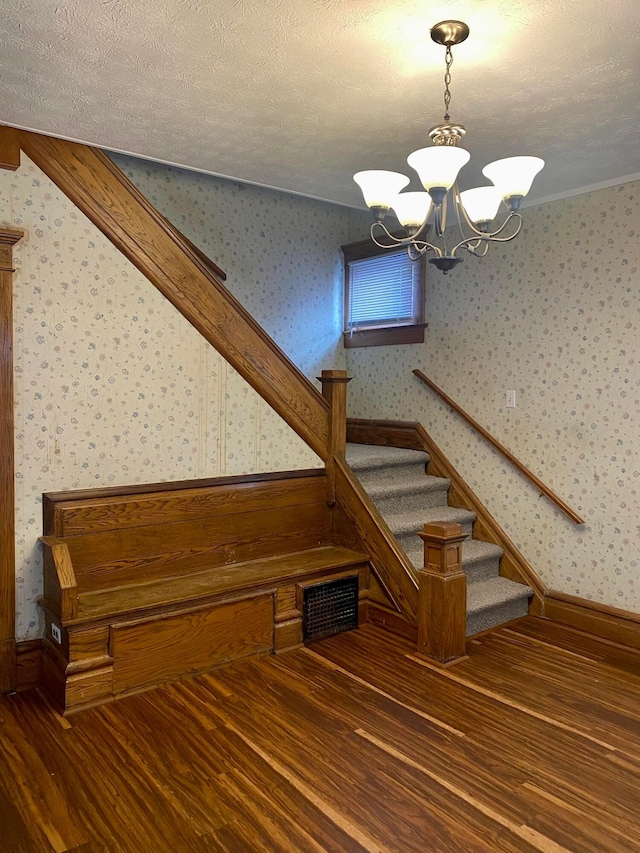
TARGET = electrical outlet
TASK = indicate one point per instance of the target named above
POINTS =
(56, 633)
(510, 399)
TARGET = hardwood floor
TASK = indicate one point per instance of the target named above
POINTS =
(353, 744)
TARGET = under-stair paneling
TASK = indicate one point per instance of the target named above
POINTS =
(113, 386)
(555, 315)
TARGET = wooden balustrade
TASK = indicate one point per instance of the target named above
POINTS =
(537, 482)
(442, 594)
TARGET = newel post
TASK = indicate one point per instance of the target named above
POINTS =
(442, 594)
(334, 390)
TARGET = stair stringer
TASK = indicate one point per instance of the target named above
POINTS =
(390, 563)
(413, 436)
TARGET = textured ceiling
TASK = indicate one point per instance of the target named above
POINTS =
(300, 94)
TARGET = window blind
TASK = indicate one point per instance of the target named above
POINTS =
(383, 291)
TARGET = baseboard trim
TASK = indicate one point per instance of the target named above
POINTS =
(601, 620)
(7, 665)
(391, 621)
(28, 664)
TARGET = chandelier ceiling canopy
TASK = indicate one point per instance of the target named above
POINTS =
(423, 215)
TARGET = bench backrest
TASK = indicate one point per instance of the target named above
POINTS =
(117, 536)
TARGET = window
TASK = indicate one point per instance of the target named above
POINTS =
(384, 296)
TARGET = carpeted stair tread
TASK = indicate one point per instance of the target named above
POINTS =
(411, 522)
(366, 457)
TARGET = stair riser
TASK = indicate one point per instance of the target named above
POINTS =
(498, 614)
(391, 475)
(411, 502)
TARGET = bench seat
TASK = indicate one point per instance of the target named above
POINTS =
(147, 584)
(133, 600)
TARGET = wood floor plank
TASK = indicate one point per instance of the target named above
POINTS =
(352, 744)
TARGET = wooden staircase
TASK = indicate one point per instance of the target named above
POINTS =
(193, 284)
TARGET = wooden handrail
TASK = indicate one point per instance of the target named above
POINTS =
(544, 489)
(106, 196)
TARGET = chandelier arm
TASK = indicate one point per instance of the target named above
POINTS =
(490, 238)
(493, 235)
(422, 247)
(395, 241)
(473, 249)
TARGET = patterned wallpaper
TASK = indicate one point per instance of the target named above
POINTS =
(554, 315)
(113, 386)
(281, 253)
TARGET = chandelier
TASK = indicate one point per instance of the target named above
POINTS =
(421, 213)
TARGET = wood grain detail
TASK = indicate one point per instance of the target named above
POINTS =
(9, 148)
(122, 507)
(601, 620)
(412, 435)
(104, 194)
(153, 652)
(8, 238)
(349, 746)
(442, 595)
(28, 664)
(162, 586)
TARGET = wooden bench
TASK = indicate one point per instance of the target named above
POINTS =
(150, 583)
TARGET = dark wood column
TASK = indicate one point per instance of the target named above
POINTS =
(9, 148)
(334, 390)
(8, 239)
(442, 594)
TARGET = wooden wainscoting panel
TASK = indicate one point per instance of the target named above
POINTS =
(609, 623)
(121, 507)
(158, 650)
(117, 558)
(28, 664)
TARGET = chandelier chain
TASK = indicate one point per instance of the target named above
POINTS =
(448, 58)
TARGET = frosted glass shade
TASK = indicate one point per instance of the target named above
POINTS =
(513, 175)
(412, 208)
(380, 188)
(481, 203)
(438, 166)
